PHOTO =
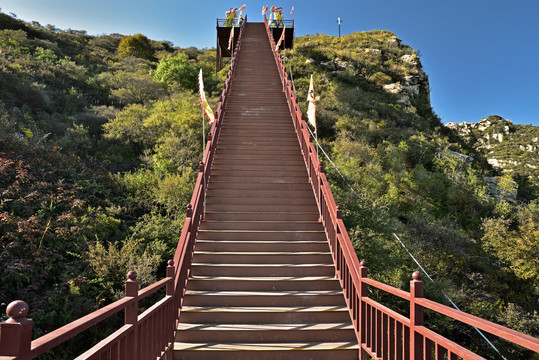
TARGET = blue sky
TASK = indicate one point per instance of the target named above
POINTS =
(482, 57)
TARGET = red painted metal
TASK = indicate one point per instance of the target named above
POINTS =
(411, 339)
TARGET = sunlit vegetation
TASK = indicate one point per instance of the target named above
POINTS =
(405, 173)
(100, 138)
(98, 156)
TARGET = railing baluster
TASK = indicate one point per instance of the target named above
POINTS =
(406, 342)
(392, 336)
(385, 336)
(427, 346)
(416, 316)
(114, 352)
(379, 332)
(363, 271)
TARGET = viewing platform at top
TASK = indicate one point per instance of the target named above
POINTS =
(225, 46)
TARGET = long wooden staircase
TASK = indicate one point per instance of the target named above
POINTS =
(262, 280)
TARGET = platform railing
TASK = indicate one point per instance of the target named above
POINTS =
(284, 23)
(149, 335)
(381, 332)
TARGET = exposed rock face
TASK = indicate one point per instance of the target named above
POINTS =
(460, 156)
(499, 193)
(399, 70)
(410, 59)
(506, 146)
(375, 52)
(395, 88)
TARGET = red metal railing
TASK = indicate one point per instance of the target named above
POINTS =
(381, 332)
(149, 335)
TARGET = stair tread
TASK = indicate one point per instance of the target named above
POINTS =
(259, 253)
(264, 293)
(263, 278)
(254, 241)
(262, 231)
(263, 265)
(267, 327)
(264, 309)
(265, 346)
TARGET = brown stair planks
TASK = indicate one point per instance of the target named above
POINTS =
(262, 283)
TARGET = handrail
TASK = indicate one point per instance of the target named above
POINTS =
(381, 332)
(16, 333)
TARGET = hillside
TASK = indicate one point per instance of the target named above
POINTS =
(509, 148)
(100, 141)
(406, 173)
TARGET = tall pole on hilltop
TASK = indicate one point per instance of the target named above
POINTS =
(339, 21)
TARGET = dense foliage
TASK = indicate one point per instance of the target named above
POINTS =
(98, 156)
(404, 173)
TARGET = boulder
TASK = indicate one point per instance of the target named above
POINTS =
(394, 88)
(410, 59)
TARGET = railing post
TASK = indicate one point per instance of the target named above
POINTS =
(170, 274)
(320, 172)
(131, 315)
(338, 216)
(170, 322)
(416, 317)
(361, 327)
(16, 332)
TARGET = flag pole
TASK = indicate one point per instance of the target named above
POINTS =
(319, 175)
(204, 164)
(206, 110)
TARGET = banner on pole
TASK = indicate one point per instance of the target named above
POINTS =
(231, 40)
(292, 11)
(203, 102)
(311, 110)
(264, 9)
(280, 39)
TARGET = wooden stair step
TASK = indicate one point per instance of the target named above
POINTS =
(263, 351)
(266, 298)
(258, 333)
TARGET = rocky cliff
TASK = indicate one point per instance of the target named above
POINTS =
(509, 147)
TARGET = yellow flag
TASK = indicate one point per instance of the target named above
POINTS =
(203, 101)
(311, 110)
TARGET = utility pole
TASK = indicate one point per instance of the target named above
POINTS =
(339, 21)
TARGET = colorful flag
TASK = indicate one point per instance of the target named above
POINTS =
(264, 9)
(311, 111)
(280, 39)
(240, 19)
(231, 40)
(292, 11)
(242, 7)
(203, 101)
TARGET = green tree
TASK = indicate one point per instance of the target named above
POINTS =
(136, 45)
(176, 69)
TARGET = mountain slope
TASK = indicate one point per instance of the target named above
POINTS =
(406, 173)
(508, 147)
